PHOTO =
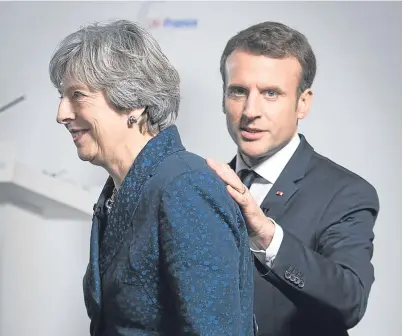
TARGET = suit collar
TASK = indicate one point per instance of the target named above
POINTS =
(156, 150)
(286, 184)
(297, 166)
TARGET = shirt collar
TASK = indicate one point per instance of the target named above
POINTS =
(271, 168)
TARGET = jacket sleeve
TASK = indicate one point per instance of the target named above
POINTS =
(332, 283)
(200, 243)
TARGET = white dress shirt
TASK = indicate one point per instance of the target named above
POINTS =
(268, 171)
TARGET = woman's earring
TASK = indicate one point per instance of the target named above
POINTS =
(132, 120)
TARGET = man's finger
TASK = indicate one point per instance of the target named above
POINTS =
(241, 199)
(212, 163)
(218, 167)
(226, 174)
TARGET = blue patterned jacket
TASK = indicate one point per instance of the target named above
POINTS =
(173, 258)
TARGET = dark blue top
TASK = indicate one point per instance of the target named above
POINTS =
(174, 258)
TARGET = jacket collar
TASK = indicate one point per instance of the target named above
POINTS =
(156, 150)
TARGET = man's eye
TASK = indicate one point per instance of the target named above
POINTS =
(237, 91)
(271, 93)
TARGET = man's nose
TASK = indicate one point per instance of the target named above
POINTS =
(252, 107)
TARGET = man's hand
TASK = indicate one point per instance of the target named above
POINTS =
(260, 228)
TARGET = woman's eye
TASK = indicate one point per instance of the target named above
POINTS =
(77, 94)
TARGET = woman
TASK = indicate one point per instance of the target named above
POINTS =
(169, 247)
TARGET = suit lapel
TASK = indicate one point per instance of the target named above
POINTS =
(92, 278)
(279, 195)
(157, 149)
(286, 185)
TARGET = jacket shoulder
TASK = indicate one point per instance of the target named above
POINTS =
(180, 164)
(338, 177)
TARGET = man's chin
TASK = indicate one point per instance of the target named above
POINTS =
(253, 152)
(255, 155)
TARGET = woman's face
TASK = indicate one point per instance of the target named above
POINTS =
(96, 127)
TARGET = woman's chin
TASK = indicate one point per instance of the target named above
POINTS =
(85, 155)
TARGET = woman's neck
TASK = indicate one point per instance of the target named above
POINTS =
(123, 157)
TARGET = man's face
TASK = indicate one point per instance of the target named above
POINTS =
(261, 102)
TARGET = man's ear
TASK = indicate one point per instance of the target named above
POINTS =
(304, 103)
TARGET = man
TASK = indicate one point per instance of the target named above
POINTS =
(310, 220)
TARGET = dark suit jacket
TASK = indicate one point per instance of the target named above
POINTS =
(321, 277)
(174, 256)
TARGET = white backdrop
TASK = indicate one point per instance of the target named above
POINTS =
(355, 119)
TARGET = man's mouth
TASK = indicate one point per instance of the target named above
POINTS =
(251, 130)
(251, 134)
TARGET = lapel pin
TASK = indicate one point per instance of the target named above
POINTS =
(279, 193)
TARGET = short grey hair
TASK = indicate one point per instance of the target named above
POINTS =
(123, 60)
(274, 40)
